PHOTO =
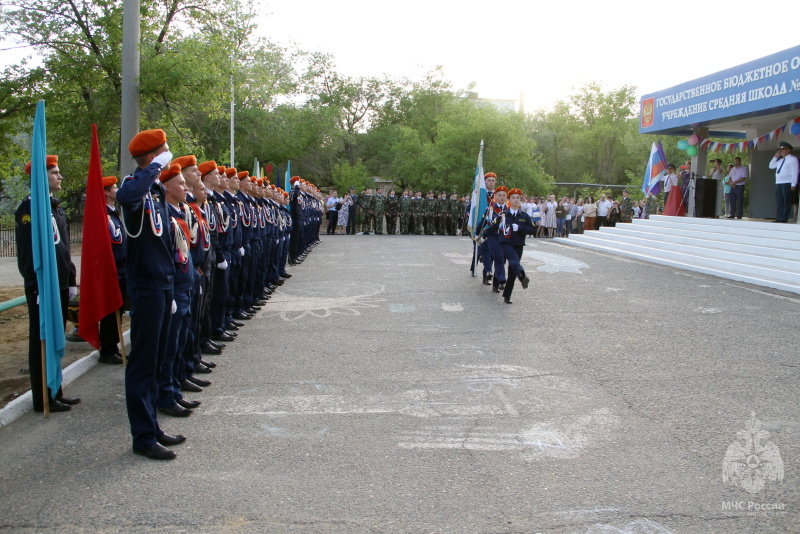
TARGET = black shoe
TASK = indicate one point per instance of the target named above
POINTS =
(525, 281)
(231, 328)
(156, 452)
(286, 275)
(188, 386)
(222, 337)
(260, 302)
(210, 365)
(507, 300)
(237, 323)
(208, 348)
(268, 290)
(166, 439)
(112, 359)
(496, 289)
(202, 369)
(219, 345)
(66, 400)
(241, 316)
(175, 411)
(502, 285)
(252, 310)
(232, 334)
(55, 406)
(199, 381)
(189, 404)
(278, 282)
(487, 279)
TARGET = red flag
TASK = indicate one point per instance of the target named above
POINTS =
(100, 293)
(674, 205)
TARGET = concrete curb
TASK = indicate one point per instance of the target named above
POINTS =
(22, 404)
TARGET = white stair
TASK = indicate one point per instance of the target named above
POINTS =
(761, 253)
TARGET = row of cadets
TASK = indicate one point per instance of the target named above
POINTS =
(151, 271)
(490, 234)
(512, 226)
(306, 210)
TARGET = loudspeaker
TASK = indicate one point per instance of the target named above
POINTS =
(705, 197)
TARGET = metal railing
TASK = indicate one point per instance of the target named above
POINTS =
(8, 241)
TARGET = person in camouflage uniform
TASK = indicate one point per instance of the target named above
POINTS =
(380, 208)
(392, 211)
(418, 211)
(367, 203)
(456, 207)
(651, 206)
(625, 208)
(429, 210)
(405, 212)
(442, 213)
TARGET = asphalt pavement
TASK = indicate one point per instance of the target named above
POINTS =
(384, 389)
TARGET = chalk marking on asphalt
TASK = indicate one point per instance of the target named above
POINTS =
(554, 263)
(634, 527)
(402, 308)
(291, 306)
(707, 311)
(507, 403)
(455, 307)
(589, 511)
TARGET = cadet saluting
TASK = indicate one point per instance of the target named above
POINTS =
(151, 268)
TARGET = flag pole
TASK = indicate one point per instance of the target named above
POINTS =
(121, 340)
(45, 396)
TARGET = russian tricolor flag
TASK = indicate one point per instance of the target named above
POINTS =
(656, 166)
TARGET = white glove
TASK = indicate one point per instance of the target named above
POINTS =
(200, 289)
(174, 307)
(515, 227)
(241, 251)
(73, 292)
(222, 265)
(163, 159)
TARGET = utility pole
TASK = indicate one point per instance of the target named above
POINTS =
(129, 120)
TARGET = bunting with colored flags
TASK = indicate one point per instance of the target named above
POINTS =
(478, 203)
(51, 321)
(100, 294)
(288, 186)
(656, 165)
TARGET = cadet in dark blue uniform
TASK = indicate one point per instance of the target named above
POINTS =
(66, 282)
(151, 269)
(514, 226)
(491, 240)
(109, 333)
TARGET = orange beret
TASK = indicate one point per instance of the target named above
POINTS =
(50, 162)
(293, 179)
(515, 191)
(273, 186)
(221, 169)
(108, 181)
(254, 179)
(285, 194)
(501, 188)
(206, 167)
(146, 141)
(260, 181)
(242, 175)
(490, 175)
(185, 161)
(230, 172)
(170, 172)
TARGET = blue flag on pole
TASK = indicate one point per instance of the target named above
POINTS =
(479, 202)
(51, 322)
(288, 186)
(656, 166)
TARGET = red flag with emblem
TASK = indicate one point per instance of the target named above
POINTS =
(100, 295)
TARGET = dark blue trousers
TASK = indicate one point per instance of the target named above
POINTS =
(169, 383)
(783, 200)
(219, 300)
(512, 255)
(151, 312)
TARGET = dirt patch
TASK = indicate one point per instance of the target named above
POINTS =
(14, 379)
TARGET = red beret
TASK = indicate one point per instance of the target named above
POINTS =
(501, 188)
(293, 179)
(108, 181)
(285, 194)
(490, 175)
(146, 141)
(242, 175)
(515, 191)
(260, 181)
(170, 172)
(230, 172)
(221, 169)
(185, 161)
(206, 167)
(51, 161)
